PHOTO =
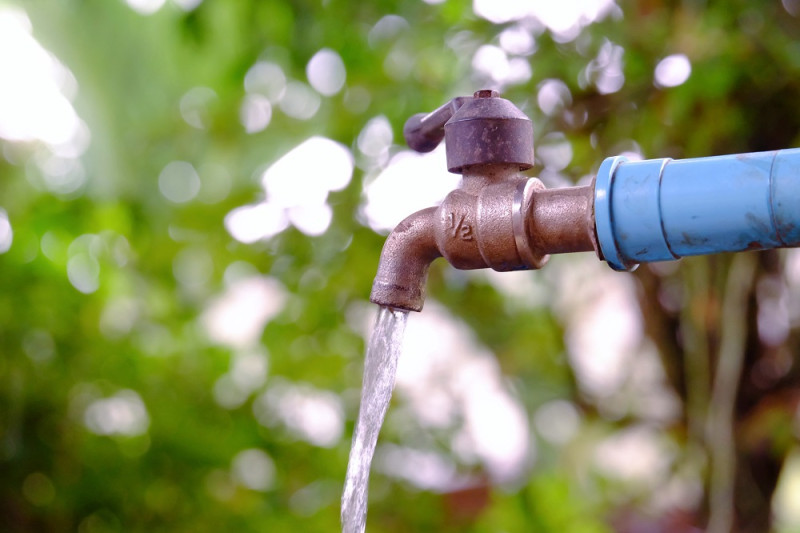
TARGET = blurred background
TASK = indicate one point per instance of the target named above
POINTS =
(194, 196)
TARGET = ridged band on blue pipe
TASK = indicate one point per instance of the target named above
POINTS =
(603, 215)
(636, 207)
(662, 209)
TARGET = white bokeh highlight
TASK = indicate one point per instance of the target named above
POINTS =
(308, 413)
(425, 469)
(553, 96)
(300, 101)
(36, 90)
(375, 141)
(83, 265)
(238, 316)
(672, 71)
(326, 72)
(121, 414)
(297, 187)
(187, 5)
(603, 333)
(255, 113)
(253, 469)
(194, 106)
(145, 7)
(493, 64)
(557, 421)
(565, 19)
(605, 71)
(179, 182)
(6, 232)
(266, 79)
(410, 182)
(638, 454)
(252, 223)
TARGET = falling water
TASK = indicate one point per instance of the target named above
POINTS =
(380, 367)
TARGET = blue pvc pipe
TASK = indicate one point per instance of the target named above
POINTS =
(664, 209)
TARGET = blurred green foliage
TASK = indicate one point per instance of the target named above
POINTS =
(142, 330)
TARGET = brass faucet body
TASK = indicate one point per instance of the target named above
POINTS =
(497, 218)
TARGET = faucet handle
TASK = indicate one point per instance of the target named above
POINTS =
(424, 131)
(482, 129)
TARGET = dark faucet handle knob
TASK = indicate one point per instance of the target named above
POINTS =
(420, 136)
(424, 131)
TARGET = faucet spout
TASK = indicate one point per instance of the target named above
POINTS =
(510, 224)
(403, 269)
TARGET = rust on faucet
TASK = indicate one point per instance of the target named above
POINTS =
(403, 268)
(497, 218)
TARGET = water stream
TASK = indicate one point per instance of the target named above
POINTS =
(380, 367)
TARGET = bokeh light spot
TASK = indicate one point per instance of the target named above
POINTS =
(300, 101)
(673, 70)
(326, 72)
(237, 317)
(179, 182)
(121, 414)
(255, 113)
(297, 187)
(187, 5)
(557, 421)
(6, 232)
(605, 70)
(145, 7)
(36, 87)
(517, 40)
(254, 469)
(387, 28)
(554, 151)
(119, 317)
(565, 19)
(266, 79)
(410, 182)
(313, 220)
(376, 138)
(83, 271)
(252, 223)
(194, 106)
(313, 415)
(193, 266)
(553, 96)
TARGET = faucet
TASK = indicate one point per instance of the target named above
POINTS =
(633, 211)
